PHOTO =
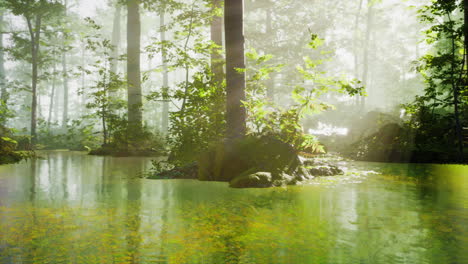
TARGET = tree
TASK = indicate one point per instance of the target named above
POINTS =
(115, 41)
(65, 74)
(235, 68)
(444, 71)
(165, 73)
(365, 70)
(216, 26)
(133, 66)
(3, 90)
(34, 12)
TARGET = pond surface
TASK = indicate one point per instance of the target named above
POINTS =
(74, 208)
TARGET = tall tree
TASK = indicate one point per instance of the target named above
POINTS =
(270, 84)
(34, 12)
(52, 94)
(116, 37)
(3, 88)
(65, 90)
(65, 94)
(365, 70)
(133, 66)
(165, 73)
(217, 64)
(235, 65)
(356, 46)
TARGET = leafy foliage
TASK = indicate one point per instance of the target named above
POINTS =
(267, 118)
(439, 115)
(78, 135)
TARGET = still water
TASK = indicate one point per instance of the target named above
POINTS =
(73, 208)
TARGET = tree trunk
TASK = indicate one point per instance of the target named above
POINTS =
(133, 66)
(52, 97)
(165, 73)
(3, 88)
(83, 76)
(270, 84)
(365, 70)
(356, 46)
(464, 83)
(115, 39)
(65, 78)
(65, 91)
(235, 80)
(34, 34)
(217, 67)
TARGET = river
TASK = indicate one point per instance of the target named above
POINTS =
(68, 207)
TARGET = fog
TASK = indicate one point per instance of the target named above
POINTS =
(325, 48)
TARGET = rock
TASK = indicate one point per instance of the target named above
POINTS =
(255, 180)
(185, 172)
(229, 159)
(326, 170)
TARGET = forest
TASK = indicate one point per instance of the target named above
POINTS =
(233, 131)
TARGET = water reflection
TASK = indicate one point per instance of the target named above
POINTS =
(74, 208)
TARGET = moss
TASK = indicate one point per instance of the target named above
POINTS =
(228, 159)
(185, 172)
(254, 180)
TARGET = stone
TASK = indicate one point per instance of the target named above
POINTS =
(326, 170)
(254, 180)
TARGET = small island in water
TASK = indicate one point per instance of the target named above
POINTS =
(236, 131)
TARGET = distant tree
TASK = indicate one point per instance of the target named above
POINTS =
(235, 68)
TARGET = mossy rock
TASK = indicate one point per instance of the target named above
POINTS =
(327, 170)
(266, 179)
(186, 172)
(254, 180)
(231, 158)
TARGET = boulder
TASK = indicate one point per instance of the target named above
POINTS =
(186, 172)
(326, 170)
(229, 159)
(254, 180)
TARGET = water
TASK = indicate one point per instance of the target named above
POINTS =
(74, 208)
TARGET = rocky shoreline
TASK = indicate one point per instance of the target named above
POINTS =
(308, 170)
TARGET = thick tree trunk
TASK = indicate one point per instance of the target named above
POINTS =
(165, 73)
(133, 66)
(217, 65)
(116, 38)
(235, 80)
